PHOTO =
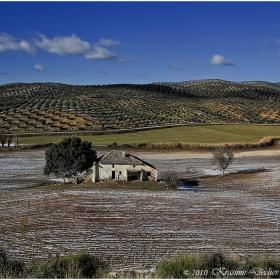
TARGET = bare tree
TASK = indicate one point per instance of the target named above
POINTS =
(9, 141)
(16, 142)
(3, 138)
(224, 157)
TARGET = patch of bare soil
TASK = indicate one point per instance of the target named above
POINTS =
(260, 182)
(138, 228)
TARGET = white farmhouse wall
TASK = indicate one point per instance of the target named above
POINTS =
(100, 172)
(121, 166)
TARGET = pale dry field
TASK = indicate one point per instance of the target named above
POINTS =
(238, 213)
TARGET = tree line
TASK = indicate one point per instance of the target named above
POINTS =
(8, 139)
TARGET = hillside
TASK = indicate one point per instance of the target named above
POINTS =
(42, 107)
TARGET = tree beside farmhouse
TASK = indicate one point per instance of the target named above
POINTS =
(69, 157)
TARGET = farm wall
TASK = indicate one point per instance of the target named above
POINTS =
(100, 172)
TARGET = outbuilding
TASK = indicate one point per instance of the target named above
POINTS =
(121, 166)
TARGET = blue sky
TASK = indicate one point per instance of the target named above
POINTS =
(86, 43)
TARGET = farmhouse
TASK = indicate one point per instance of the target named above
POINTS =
(121, 166)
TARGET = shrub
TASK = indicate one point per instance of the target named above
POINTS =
(218, 261)
(171, 179)
(217, 265)
(81, 265)
(179, 267)
(142, 145)
(39, 146)
(114, 145)
(271, 267)
(10, 268)
(126, 146)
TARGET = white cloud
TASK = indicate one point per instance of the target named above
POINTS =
(220, 60)
(63, 45)
(75, 46)
(9, 43)
(100, 53)
(125, 59)
(108, 42)
(39, 67)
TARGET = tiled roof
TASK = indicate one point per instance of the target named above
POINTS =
(121, 158)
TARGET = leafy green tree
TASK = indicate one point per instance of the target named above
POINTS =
(69, 157)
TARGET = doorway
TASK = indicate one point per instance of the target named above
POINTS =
(133, 175)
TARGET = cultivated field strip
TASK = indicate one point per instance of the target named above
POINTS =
(133, 228)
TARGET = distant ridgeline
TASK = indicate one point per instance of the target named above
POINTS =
(54, 107)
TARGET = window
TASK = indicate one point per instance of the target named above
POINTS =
(113, 165)
(120, 172)
(113, 174)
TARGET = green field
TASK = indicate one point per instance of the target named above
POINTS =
(208, 134)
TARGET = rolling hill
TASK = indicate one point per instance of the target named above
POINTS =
(50, 107)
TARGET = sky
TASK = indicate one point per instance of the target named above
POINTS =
(96, 43)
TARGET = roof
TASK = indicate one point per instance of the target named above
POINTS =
(121, 158)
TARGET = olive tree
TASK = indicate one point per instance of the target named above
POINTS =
(69, 157)
(223, 156)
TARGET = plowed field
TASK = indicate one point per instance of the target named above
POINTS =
(238, 213)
